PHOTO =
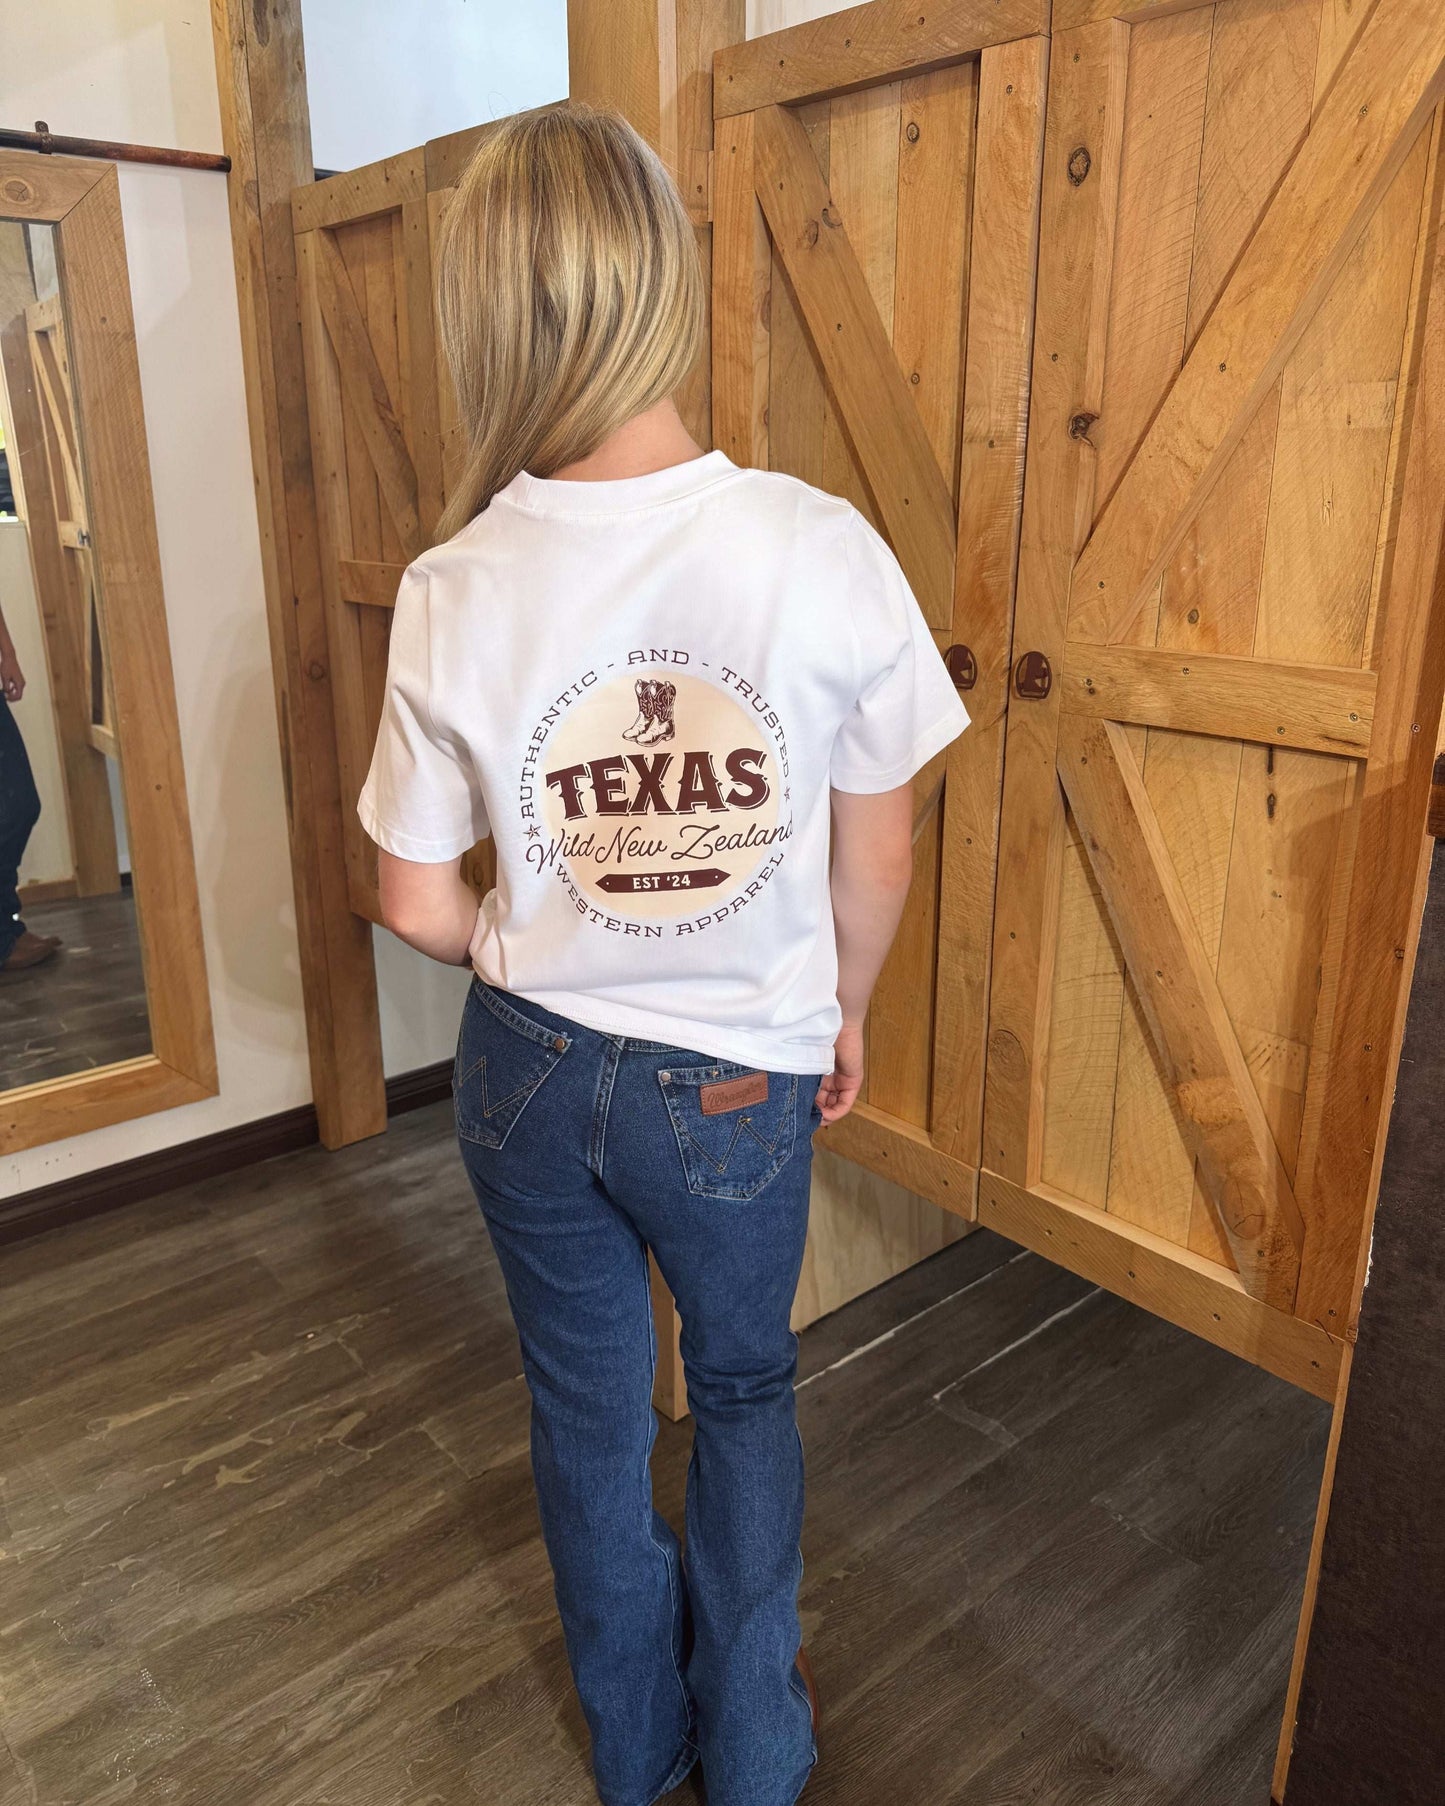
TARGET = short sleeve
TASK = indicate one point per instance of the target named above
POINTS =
(422, 798)
(907, 708)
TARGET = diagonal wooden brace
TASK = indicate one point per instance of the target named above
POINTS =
(886, 430)
(366, 391)
(1379, 103)
(1222, 1118)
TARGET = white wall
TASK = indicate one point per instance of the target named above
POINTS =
(47, 853)
(764, 16)
(382, 77)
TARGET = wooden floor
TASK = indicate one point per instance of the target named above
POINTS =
(267, 1535)
(84, 1008)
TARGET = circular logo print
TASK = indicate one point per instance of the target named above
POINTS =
(661, 794)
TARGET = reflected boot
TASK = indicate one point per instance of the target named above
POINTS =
(644, 711)
(29, 951)
(663, 697)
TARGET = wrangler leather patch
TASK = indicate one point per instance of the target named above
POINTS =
(733, 1094)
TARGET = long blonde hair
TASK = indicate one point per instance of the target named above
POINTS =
(570, 294)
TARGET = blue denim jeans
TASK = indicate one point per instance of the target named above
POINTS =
(585, 1150)
(19, 812)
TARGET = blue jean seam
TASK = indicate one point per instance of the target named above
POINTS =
(601, 1109)
(801, 1691)
(679, 1770)
(647, 1494)
(514, 1019)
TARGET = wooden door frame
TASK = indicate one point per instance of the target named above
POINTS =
(266, 130)
(80, 200)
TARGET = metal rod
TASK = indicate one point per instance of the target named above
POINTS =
(49, 143)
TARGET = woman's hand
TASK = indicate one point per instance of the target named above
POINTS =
(839, 1091)
(12, 678)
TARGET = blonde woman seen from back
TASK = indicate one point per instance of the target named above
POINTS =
(686, 700)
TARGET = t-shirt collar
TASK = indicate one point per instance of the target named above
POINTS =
(617, 495)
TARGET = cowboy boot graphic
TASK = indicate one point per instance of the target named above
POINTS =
(663, 697)
(644, 711)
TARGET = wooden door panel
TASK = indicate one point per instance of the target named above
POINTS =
(1368, 124)
(873, 278)
(1231, 362)
(1219, 1111)
(379, 438)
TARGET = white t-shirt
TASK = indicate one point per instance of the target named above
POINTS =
(644, 689)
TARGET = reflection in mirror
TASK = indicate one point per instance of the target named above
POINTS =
(72, 990)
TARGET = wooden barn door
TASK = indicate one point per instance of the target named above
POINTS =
(1226, 664)
(873, 275)
(378, 407)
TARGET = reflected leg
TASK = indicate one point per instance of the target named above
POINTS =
(19, 812)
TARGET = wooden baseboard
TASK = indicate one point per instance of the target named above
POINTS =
(111, 1187)
(48, 890)
(414, 1090)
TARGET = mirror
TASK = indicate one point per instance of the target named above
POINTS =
(72, 984)
(104, 998)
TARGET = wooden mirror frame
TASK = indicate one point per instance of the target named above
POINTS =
(81, 200)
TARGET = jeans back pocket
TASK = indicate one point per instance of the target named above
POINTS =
(502, 1059)
(730, 1151)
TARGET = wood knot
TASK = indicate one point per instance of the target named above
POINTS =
(1006, 1053)
(1080, 163)
(1080, 426)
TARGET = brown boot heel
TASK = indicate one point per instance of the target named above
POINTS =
(805, 1668)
